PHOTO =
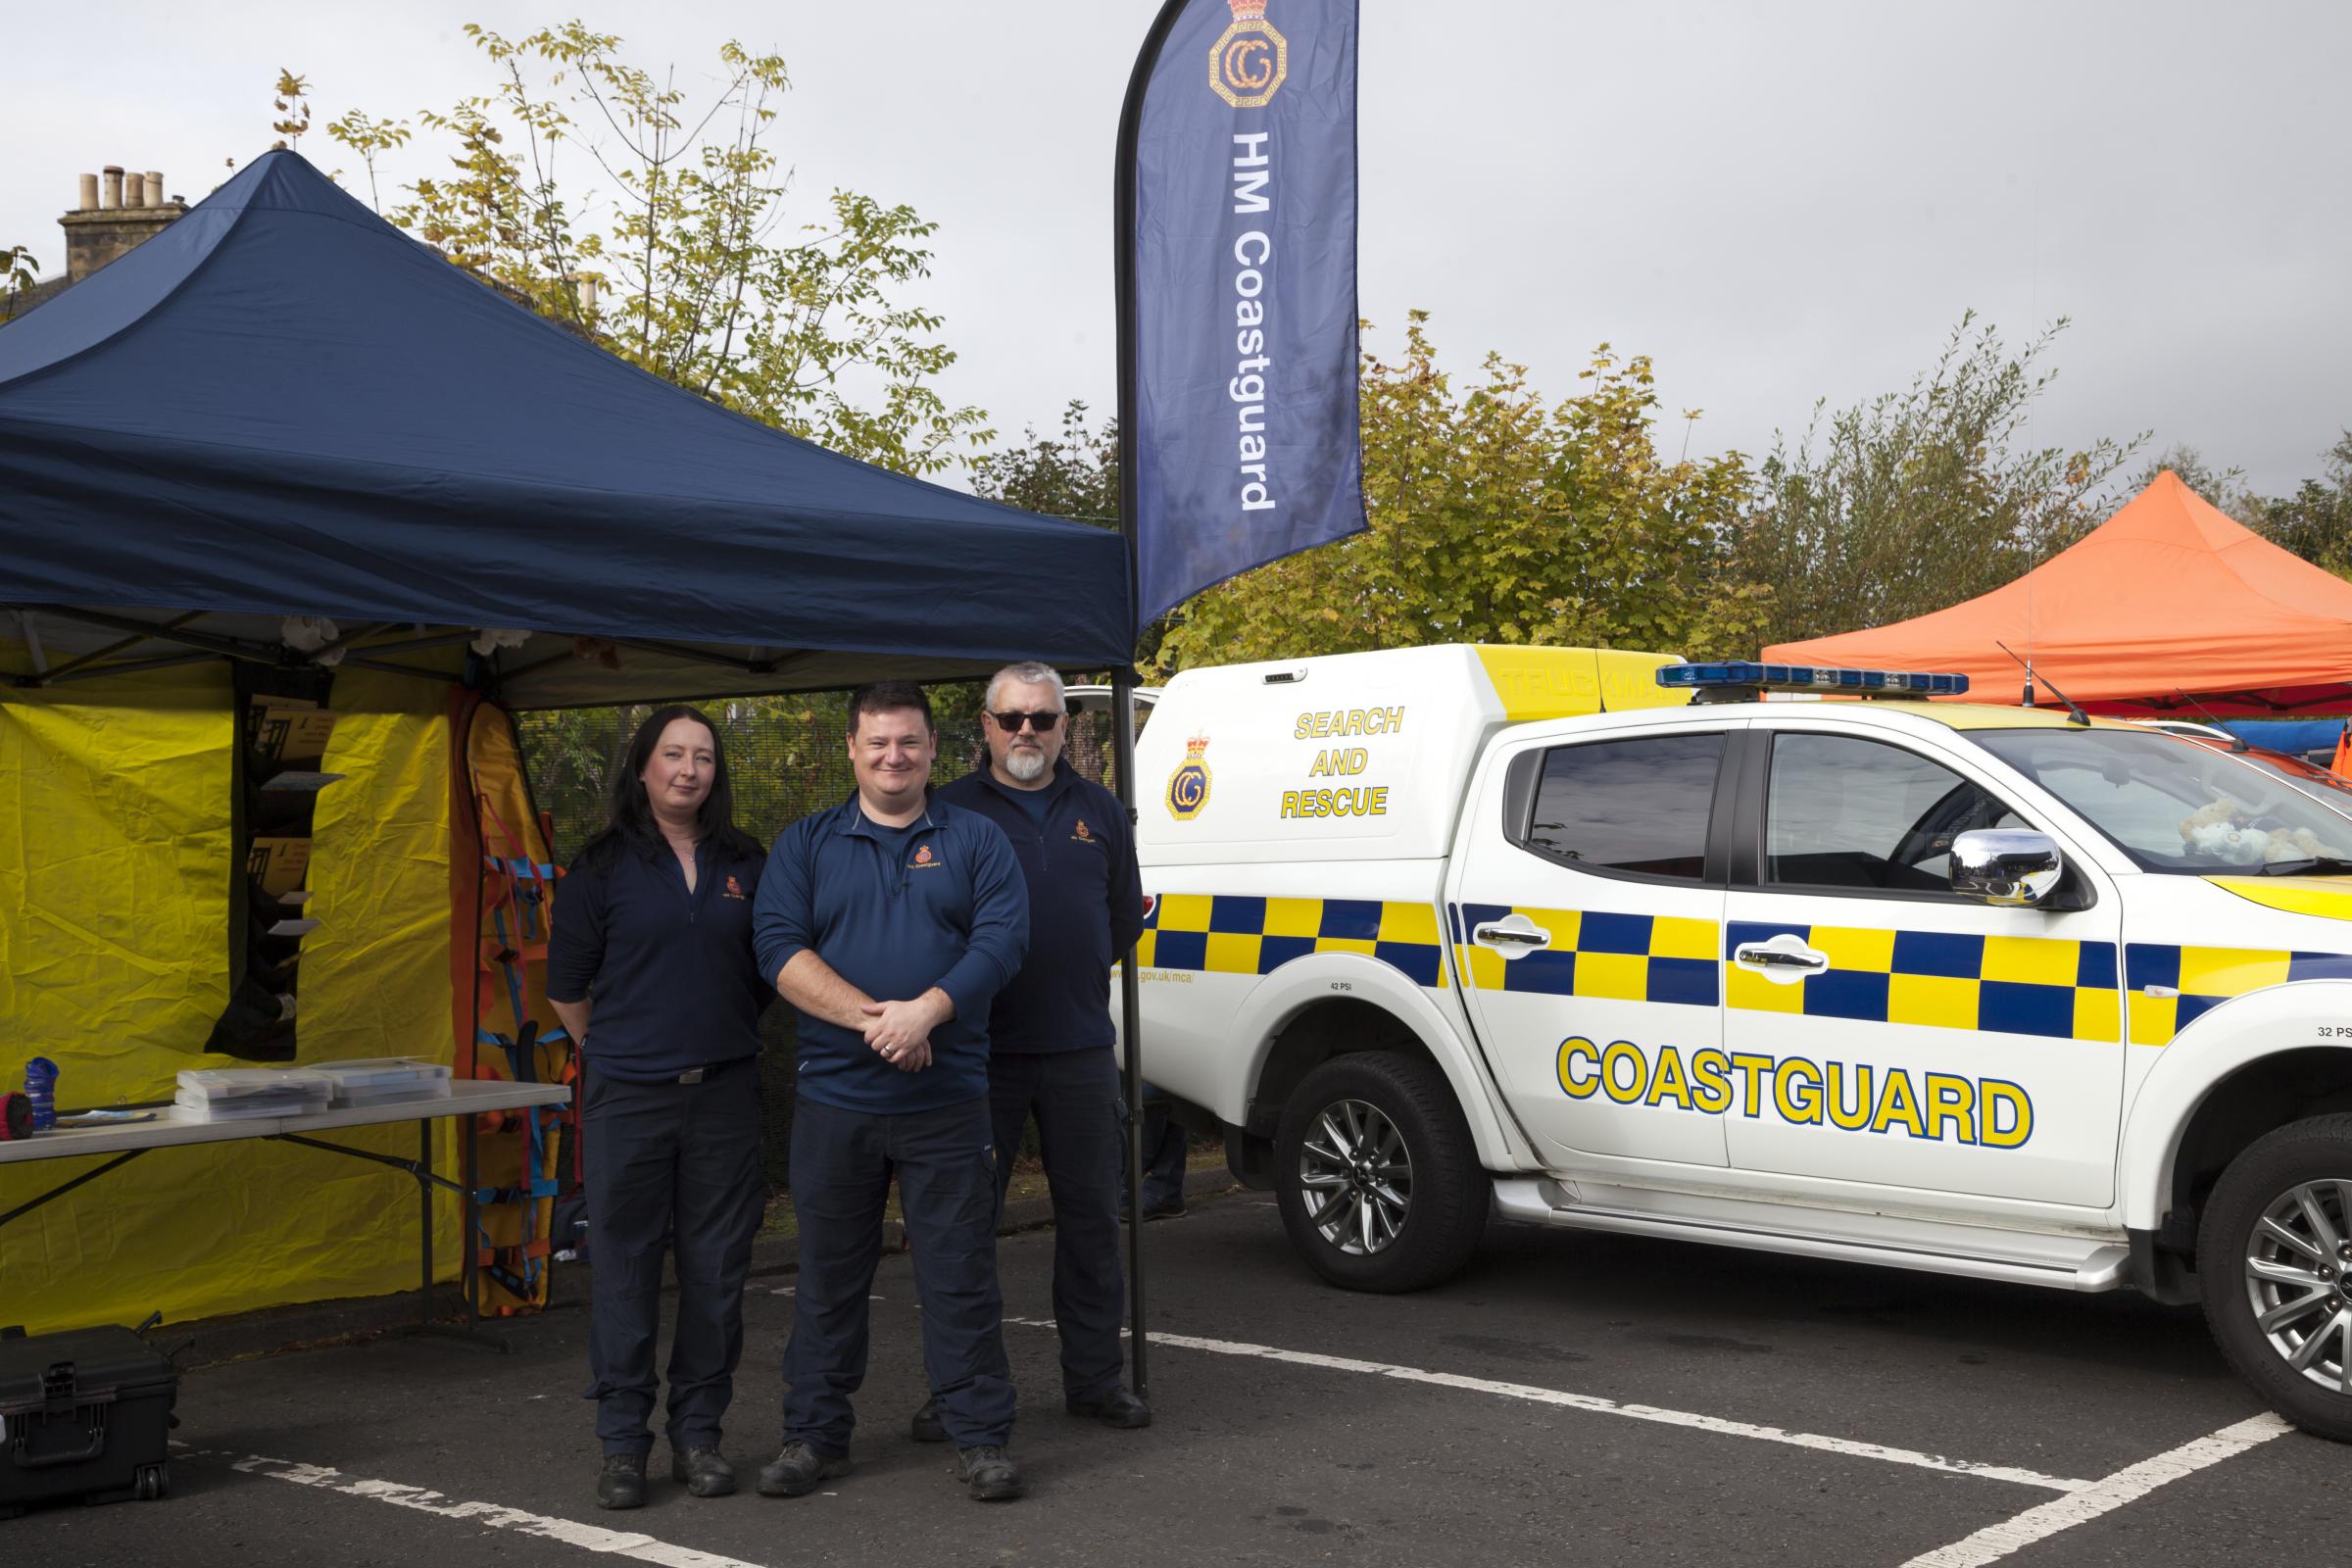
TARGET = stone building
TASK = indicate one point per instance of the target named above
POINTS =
(117, 212)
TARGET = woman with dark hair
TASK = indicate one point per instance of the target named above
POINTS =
(651, 970)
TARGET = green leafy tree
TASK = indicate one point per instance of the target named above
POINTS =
(2315, 522)
(2225, 488)
(1919, 499)
(371, 139)
(1075, 474)
(787, 755)
(595, 191)
(1498, 516)
(18, 271)
(293, 106)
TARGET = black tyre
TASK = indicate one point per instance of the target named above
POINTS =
(1377, 1181)
(2275, 1265)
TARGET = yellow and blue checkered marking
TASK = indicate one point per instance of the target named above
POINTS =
(1230, 934)
(2206, 977)
(2045, 986)
(1623, 957)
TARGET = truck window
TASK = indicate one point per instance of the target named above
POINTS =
(1636, 806)
(2176, 806)
(1845, 813)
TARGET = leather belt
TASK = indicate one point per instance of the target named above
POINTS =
(696, 1075)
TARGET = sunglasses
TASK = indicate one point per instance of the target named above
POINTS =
(1042, 723)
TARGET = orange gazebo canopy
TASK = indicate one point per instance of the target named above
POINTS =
(2167, 601)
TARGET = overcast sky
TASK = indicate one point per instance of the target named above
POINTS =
(1778, 202)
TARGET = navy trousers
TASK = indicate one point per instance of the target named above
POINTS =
(1080, 1127)
(666, 1161)
(946, 1163)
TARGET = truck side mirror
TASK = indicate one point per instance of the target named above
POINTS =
(2007, 868)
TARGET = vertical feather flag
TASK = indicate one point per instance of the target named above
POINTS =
(1238, 310)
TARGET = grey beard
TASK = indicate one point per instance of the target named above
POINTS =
(1026, 765)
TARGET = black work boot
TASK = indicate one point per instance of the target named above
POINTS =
(799, 1469)
(621, 1484)
(1113, 1406)
(925, 1425)
(988, 1473)
(705, 1470)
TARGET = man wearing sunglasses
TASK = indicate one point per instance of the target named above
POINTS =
(1050, 1028)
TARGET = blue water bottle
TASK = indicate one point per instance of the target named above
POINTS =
(40, 1087)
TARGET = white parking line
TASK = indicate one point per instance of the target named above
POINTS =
(1995, 1541)
(632, 1545)
(1599, 1406)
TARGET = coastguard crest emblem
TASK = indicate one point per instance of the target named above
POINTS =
(1187, 786)
(1248, 64)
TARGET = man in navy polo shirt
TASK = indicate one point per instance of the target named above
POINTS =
(1049, 1031)
(890, 922)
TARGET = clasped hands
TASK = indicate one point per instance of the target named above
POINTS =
(901, 1031)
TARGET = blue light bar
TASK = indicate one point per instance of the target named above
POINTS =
(1809, 678)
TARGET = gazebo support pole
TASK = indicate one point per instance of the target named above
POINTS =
(1122, 683)
(1123, 216)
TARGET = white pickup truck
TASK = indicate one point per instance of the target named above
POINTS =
(1449, 931)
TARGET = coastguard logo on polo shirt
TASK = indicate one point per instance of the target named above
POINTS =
(923, 860)
(734, 889)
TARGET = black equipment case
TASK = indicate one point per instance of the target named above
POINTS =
(83, 1415)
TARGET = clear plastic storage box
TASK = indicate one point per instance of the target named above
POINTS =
(386, 1080)
(234, 1094)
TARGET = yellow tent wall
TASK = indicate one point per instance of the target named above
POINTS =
(114, 867)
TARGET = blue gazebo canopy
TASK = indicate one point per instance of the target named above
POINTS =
(283, 406)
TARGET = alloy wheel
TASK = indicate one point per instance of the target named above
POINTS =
(1358, 1177)
(2298, 1276)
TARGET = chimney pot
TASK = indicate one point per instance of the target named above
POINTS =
(116, 213)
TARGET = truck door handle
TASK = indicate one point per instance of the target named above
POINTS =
(1800, 960)
(1495, 935)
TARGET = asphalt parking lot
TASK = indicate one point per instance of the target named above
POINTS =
(1571, 1398)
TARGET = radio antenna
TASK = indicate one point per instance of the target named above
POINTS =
(2073, 713)
(2237, 742)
